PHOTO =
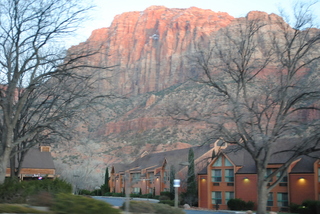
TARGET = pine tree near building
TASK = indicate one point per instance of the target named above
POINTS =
(105, 187)
(172, 177)
(191, 196)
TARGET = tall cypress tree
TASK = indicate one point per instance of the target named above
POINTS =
(191, 194)
(172, 177)
(105, 187)
(106, 180)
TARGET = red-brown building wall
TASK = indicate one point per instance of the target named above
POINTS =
(302, 187)
(203, 191)
(246, 187)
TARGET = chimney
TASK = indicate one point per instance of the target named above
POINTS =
(45, 148)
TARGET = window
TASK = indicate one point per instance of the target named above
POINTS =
(216, 198)
(229, 195)
(270, 199)
(218, 162)
(151, 177)
(269, 172)
(216, 175)
(282, 199)
(228, 175)
(227, 162)
(284, 179)
(136, 190)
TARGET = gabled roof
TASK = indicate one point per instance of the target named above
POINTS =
(36, 159)
(174, 157)
(242, 158)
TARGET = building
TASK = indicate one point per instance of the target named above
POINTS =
(150, 173)
(232, 174)
(37, 163)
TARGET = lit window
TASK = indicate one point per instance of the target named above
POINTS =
(228, 175)
(270, 199)
(218, 162)
(216, 198)
(229, 195)
(282, 199)
(216, 175)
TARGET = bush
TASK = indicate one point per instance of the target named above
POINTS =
(250, 205)
(147, 207)
(310, 207)
(96, 192)
(239, 204)
(116, 194)
(169, 202)
(67, 203)
(149, 195)
(84, 192)
(10, 208)
(167, 194)
(13, 191)
(295, 208)
(134, 195)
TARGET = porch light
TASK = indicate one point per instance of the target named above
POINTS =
(246, 179)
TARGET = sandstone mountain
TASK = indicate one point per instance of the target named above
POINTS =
(150, 51)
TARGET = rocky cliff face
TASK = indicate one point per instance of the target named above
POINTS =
(150, 47)
(150, 51)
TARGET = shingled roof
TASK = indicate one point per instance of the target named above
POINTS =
(155, 160)
(36, 159)
(240, 157)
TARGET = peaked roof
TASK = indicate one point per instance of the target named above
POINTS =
(241, 157)
(155, 160)
(36, 159)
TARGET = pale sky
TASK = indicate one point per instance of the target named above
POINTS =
(106, 10)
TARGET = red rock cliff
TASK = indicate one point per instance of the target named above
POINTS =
(150, 46)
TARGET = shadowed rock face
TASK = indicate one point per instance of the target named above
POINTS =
(150, 47)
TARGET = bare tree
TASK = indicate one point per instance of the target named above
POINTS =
(261, 81)
(42, 86)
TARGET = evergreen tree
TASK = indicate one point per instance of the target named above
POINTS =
(172, 177)
(105, 187)
(191, 194)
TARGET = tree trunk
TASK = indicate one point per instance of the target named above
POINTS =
(262, 192)
(4, 158)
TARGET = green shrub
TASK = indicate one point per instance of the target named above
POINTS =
(310, 207)
(149, 195)
(67, 203)
(116, 194)
(249, 205)
(147, 207)
(108, 194)
(96, 192)
(84, 192)
(169, 202)
(11, 208)
(236, 204)
(167, 194)
(294, 208)
(134, 195)
(12, 191)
